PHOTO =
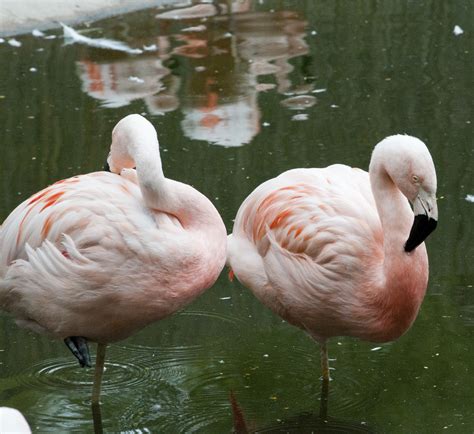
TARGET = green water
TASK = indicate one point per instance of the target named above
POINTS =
(215, 96)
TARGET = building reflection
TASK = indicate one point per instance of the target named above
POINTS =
(119, 83)
(212, 69)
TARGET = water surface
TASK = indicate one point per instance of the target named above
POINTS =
(237, 99)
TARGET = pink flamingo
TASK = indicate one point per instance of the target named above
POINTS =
(96, 257)
(336, 251)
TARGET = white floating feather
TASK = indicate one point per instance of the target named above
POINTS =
(73, 37)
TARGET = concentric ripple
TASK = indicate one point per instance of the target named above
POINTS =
(65, 374)
(213, 315)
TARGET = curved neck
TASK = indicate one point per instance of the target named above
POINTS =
(394, 211)
(404, 275)
(135, 144)
(189, 206)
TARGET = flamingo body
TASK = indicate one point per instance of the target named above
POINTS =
(102, 255)
(322, 249)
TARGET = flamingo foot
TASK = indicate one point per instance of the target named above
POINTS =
(80, 349)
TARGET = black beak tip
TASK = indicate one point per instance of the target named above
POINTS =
(422, 227)
(106, 167)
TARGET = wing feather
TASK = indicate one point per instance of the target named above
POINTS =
(311, 227)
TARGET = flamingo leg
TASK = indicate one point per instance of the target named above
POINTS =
(323, 408)
(99, 370)
(324, 362)
(97, 419)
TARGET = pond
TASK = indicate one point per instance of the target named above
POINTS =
(237, 99)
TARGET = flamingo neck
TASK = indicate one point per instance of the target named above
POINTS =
(394, 211)
(403, 283)
(135, 144)
(190, 207)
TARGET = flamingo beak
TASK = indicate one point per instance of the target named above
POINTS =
(426, 220)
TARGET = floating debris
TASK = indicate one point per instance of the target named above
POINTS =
(136, 79)
(192, 12)
(2, 40)
(376, 349)
(200, 68)
(321, 90)
(457, 30)
(50, 37)
(225, 298)
(151, 47)
(199, 28)
(300, 117)
(314, 32)
(33, 69)
(470, 198)
(38, 33)
(14, 43)
(73, 37)
(263, 87)
(266, 124)
(299, 102)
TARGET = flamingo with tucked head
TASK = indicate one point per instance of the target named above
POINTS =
(97, 257)
(338, 251)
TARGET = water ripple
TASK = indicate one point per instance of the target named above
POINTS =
(60, 374)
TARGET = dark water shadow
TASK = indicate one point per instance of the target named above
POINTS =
(312, 423)
(301, 423)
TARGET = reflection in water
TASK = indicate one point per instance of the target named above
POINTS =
(119, 83)
(399, 68)
(225, 58)
(301, 423)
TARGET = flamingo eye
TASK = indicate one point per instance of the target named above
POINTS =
(415, 179)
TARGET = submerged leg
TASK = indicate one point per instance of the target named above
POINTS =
(324, 362)
(80, 349)
(99, 370)
(323, 408)
(97, 419)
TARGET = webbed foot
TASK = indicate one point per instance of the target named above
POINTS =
(80, 349)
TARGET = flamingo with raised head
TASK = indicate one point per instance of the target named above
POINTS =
(96, 257)
(336, 251)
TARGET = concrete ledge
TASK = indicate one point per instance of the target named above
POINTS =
(22, 16)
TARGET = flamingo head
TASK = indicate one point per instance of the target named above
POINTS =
(419, 186)
(409, 164)
(425, 209)
(126, 137)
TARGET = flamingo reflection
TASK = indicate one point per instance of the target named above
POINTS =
(299, 423)
(212, 70)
